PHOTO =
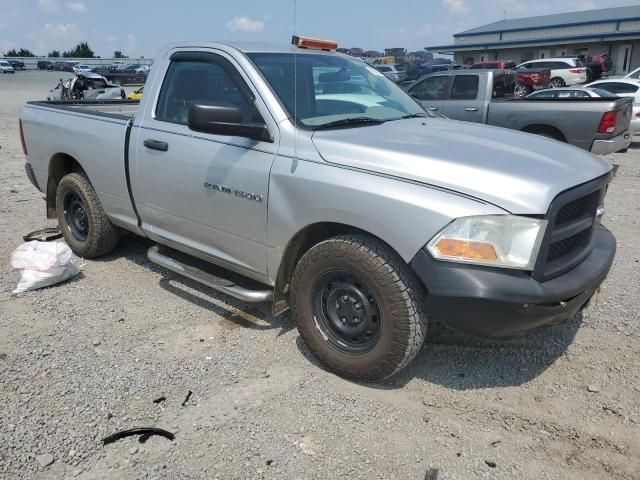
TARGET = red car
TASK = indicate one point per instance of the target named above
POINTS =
(495, 65)
(531, 79)
(527, 80)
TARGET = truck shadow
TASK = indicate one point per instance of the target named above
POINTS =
(462, 362)
(451, 359)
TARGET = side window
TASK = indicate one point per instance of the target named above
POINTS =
(465, 87)
(503, 86)
(189, 81)
(572, 94)
(626, 88)
(432, 88)
(615, 87)
(544, 94)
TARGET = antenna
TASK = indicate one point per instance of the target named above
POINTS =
(505, 13)
(295, 85)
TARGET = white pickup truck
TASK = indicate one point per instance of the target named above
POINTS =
(312, 174)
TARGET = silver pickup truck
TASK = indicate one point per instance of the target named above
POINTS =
(331, 192)
(599, 125)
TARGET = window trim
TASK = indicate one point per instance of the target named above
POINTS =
(212, 58)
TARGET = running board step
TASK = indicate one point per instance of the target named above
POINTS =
(222, 285)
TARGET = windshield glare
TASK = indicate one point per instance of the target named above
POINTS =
(330, 88)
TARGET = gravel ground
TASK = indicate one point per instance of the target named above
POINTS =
(85, 359)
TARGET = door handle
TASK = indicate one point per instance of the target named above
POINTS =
(433, 109)
(156, 145)
(471, 109)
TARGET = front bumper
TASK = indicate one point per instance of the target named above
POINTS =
(497, 302)
(612, 145)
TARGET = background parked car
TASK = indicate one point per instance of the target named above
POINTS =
(495, 65)
(68, 66)
(570, 93)
(56, 66)
(43, 64)
(81, 68)
(5, 67)
(136, 94)
(394, 72)
(143, 69)
(564, 71)
(17, 65)
(623, 87)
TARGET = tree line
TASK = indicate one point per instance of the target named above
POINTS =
(81, 50)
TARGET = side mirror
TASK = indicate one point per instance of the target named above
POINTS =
(224, 119)
(415, 95)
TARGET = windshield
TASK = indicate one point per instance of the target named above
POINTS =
(333, 88)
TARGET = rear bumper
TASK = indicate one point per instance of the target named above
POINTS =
(612, 145)
(495, 302)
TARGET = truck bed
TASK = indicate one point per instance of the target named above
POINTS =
(121, 109)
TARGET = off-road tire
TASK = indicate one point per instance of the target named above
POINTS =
(102, 235)
(399, 294)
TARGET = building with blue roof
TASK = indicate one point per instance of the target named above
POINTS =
(612, 31)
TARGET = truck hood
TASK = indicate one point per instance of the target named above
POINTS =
(518, 172)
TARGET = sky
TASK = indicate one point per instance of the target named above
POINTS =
(140, 27)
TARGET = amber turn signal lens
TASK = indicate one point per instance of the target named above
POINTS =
(449, 247)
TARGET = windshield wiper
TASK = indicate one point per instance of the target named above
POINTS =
(350, 122)
(414, 115)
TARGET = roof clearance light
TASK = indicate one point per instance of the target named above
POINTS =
(314, 43)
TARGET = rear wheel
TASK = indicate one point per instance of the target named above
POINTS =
(556, 82)
(85, 226)
(358, 307)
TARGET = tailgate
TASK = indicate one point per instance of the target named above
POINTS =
(624, 111)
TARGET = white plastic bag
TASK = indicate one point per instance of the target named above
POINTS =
(42, 264)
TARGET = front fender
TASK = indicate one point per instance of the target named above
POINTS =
(403, 214)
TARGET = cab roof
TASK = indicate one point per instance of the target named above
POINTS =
(251, 47)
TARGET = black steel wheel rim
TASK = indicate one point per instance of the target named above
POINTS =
(346, 312)
(75, 215)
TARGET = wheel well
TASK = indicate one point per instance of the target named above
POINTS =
(60, 165)
(299, 244)
(545, 130)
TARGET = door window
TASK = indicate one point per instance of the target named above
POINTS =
(465, 87)
(432, 88)
(190, 81)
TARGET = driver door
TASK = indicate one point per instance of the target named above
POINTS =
(207, 192)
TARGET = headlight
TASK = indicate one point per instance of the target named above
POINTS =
(508, 241)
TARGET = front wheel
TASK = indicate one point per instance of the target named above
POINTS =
(358, 307)
(521, 90)
(83, 222)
